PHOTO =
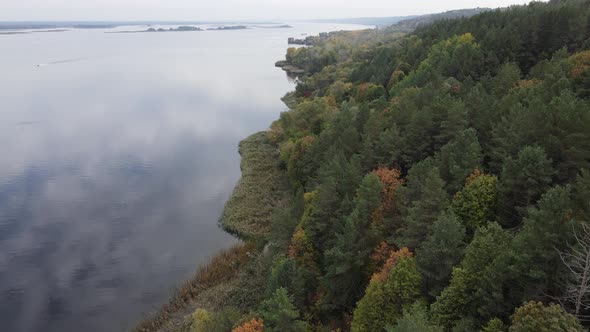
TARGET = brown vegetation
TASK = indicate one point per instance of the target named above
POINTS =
(220, 269)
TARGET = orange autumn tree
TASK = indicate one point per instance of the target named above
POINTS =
(254, 325)
(390, 180)
(579, 63)
(379, 256)
(390, 263)
(391, 290)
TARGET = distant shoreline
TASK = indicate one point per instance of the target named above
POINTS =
(111, 25)
(30, 32)
(193, 28)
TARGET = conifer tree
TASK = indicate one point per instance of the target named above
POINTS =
(442, 250)
(459, 158)
(523, 181)
(423, 199)
(391, 291)
(347, 259)
(279, 314)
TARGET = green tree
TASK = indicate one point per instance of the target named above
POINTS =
(473, 293)
(459, 158)
(523, 181)
(388, 147)
(494, 325)
(545, 231)
(338, 180)
(279, 314)
(415, 319)
(507, 77)
(423, 199)
(284, 221)
(346, 261)
(459, 56)
(201, 321)
(385, 300)
(286, 274)
(535, 317)
(442, 250)
(476, 204)
(221, 321)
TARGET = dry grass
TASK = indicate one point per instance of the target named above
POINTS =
(263, 187)
(220, 269)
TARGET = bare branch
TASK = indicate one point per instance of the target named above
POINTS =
(577, 286)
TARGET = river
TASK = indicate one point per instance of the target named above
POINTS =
(118, 152)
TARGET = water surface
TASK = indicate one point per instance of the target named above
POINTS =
(118, 152)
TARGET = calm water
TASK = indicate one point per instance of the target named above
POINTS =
(117, 157)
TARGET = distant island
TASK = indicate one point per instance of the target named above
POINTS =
(284, 26)
(231, 27)
(185, 28)
(179, 29)
(243, 27)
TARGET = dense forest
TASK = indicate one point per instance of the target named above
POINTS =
(438, 181)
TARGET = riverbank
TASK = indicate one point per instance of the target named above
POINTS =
(232, 280)
(263, 187)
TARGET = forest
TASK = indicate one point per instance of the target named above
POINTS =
(435, 181)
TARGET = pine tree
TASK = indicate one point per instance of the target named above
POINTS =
(545, 231)
(423, 199)
(346, 260)
(523, 181)
(279, 314)
(385, 299)
(473, 293)
(442, 250)
(415, 319)
(459, 158)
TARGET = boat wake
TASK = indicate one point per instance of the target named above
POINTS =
(58, 62)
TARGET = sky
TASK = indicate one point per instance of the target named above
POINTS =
(212, 10)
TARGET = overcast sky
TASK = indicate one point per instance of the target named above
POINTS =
(112, 10)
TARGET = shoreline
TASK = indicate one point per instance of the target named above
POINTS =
(235, 275)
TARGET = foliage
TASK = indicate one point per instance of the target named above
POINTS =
(523, 181)
(475, 205)
(424, 198)
(534, 316)
(385, 299)
(390, 182)
(442, 250)
(346, 261)
(279, 314)
(471, 291)
(459, 158)
(254, 325)
(415, 319)
(222, 321)
(201, 321)
(464, 141)
(545, 231)
(494, 325)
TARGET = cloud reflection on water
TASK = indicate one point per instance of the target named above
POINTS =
(115, 169)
